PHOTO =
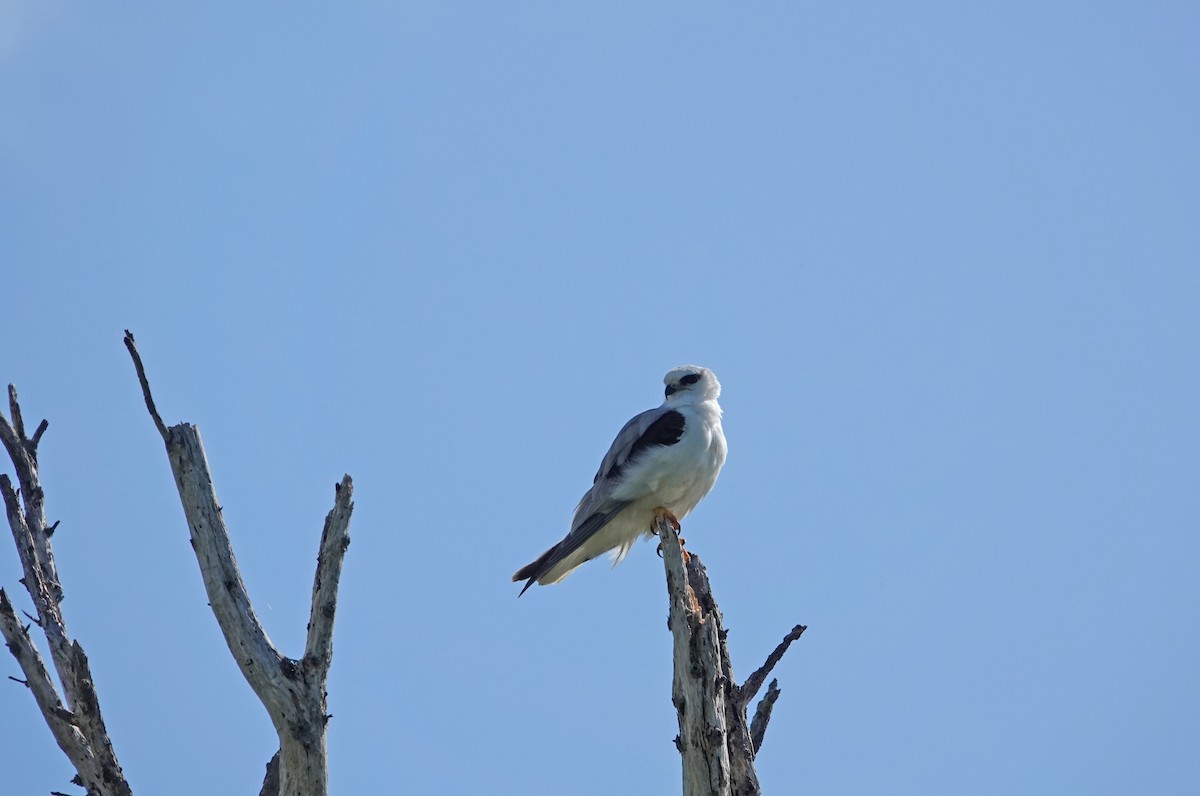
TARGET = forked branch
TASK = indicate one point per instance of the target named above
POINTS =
(292, 691)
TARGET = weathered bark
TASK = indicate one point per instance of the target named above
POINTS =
(77, 726)
(717, 742)
(292, 691)
(270, 786)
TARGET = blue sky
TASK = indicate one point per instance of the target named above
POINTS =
(944, 258)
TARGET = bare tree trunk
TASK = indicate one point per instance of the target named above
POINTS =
(717, 742)
(292, 691)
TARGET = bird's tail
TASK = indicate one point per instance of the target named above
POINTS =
(534, 570)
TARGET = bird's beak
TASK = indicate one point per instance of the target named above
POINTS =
(671, 390)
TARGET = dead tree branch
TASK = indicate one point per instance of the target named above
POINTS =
(754, 682)
(717, 742)
(292, 691)
(762, 715)
(77, 726)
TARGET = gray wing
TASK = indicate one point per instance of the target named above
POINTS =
(652, 428)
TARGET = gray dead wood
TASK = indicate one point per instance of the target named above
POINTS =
(74, 718)
(292, 691)
(716, 741)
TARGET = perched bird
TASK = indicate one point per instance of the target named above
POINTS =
(661, 464)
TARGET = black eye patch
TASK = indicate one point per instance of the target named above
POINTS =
(690, 379)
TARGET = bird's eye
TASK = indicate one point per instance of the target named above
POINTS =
(690, 379)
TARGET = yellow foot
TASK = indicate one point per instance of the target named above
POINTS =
(662, 514)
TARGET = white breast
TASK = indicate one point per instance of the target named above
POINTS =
(678, 476)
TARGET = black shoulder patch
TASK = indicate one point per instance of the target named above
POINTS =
(662, 432)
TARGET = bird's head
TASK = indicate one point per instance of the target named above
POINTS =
(691, 384)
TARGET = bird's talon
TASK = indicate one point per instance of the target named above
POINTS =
(686, 555)
(661, 513)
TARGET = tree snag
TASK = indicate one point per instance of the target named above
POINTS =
(716, 740)
(74, 718)
(292, 691)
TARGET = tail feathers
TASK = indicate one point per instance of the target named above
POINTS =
(562, 559)
(534, 570)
